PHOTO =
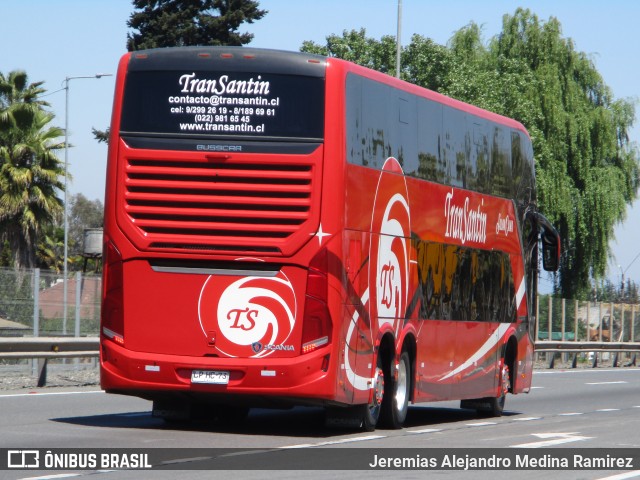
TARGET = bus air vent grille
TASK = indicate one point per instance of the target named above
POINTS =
(218, 206)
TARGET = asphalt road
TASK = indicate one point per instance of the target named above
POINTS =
(577, 409)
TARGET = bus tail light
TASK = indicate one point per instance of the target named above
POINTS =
(316, 327)
(112, 300)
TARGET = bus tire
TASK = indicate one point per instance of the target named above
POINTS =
(371, 411)
(492, 406)
(364, 416)
(397, 392)
(496, 404)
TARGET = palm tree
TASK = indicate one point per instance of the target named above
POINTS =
(30, 172)
(49, 255)
(19, 100)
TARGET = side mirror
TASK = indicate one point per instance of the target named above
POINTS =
(550, 251)
(550, 246)
(550, 243)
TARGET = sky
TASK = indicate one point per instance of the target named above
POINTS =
(53, 40)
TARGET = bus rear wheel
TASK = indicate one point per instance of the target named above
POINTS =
(363, 416)
(371, 411)
(389, 398)
(396, 399)
(493, 406)
(496, 405)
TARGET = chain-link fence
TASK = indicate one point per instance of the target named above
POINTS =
(41, 311)
(32, 302)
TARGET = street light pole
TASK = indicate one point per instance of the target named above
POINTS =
(623, 272)
(66, 190)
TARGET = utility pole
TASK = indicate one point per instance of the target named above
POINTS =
(398, 47)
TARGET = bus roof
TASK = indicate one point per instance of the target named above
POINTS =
(295, 63)
(426, 93)
(236, 58)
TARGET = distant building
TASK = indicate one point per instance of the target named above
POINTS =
(51, 305)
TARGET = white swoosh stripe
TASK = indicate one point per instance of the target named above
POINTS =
(358, 382)
(491, 342)
(520, 293)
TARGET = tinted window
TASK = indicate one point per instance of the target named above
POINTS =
(435, 142)
(223, 104)
(458, 283)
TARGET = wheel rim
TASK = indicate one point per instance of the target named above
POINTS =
(505, 380)
(378, 392)
(401, 386)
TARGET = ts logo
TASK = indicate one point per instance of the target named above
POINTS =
(248, 311)
(386, 281)
(244, 318)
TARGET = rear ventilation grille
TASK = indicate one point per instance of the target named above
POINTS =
(218, 206)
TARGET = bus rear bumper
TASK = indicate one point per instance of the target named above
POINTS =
(303, 379)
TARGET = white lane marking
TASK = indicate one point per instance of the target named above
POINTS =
(44, 394)
(336, 442)
(605, 383)
(537, 388)
(480, 424)
(552, 439)
(526, 419)
(185, 460)
(608, 410)
(425, 430)
(51, 477)
(585, 370)
(569, 414)
(622, 476)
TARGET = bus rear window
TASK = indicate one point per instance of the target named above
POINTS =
(223, 104)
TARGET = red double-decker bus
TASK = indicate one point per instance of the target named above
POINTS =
(289, 229)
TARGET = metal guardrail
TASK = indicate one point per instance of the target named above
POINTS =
(570, 346)
(46, 348)
(581, 347)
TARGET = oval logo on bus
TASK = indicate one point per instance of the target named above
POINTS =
(390, 245)
(388, 287)
(253, 316)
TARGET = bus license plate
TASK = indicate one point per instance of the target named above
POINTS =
(210, 376)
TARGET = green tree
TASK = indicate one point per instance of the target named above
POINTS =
(30, 172)
(426, 63)
(83, 214)
(588, 171)
(50, 250)
(16, 296)
(171, 23)
(102, 136)
(355, 47)
(6, 258)
(19, 102)
(180, 23)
